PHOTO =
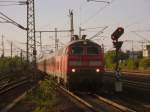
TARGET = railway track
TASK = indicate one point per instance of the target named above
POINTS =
(135, 92)
(96, 103)
(13, 87)
(102, 103)
(136, 72)
(9, 86)
(142, 85)
(92, 102)
(145, 86)
(11, 90)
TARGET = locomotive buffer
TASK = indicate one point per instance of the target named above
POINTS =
(117, 45)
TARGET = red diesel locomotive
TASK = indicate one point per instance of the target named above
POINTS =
(78, 65)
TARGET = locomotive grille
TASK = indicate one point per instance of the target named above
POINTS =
(84, 63)
(94, 63)
(87, 70)
(75, 63)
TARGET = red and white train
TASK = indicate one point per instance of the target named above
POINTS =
(78, 65)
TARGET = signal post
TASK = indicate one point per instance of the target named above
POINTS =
(117, 45)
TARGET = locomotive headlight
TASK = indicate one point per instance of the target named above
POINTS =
(97, 70)
(73, 70)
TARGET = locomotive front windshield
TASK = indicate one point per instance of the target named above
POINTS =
(89, 50)
(77, 50)
(92, 50)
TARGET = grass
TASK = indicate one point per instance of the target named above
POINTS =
(44, 97)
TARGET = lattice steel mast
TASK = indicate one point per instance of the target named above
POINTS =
(31, 40)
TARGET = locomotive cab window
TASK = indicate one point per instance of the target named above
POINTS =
(92, 50)
(77, 50)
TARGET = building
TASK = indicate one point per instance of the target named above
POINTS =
(134, 54)
(146, 51)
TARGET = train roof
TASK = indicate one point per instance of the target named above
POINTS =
(66, 46)
(81, 40)
(44, 57)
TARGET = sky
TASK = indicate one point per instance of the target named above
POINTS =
(132, 15)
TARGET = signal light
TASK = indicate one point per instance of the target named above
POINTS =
(118, 44)
(117, 33)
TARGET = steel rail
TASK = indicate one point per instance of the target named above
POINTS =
(6, 82)
(13, 85)
(114, 104)
(89, 106)
(138, 84)
(3, 84)
(142, 84)
(138, 72)
(6, 75)
(92, 108)
(8, 107)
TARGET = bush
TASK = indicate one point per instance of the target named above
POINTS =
(110, 59)
(130, 64)
(144, 63)
(8, 64)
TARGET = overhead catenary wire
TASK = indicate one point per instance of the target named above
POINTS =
(91, 17)
(98, 33)
(12, 21)
(98, 1)
(82, 5)
(58, 41)
(93, 28)
(4, 20)
(137, 21)
(97, 12)
(9, 3)
(141, 31)
(142, 37)
(14, 44)
(12, 4)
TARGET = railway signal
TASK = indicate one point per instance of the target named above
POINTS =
(115, 36)
(117, 33)
(117, 44)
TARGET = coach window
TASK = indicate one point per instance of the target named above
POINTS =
(92, 50)
(77, 50)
